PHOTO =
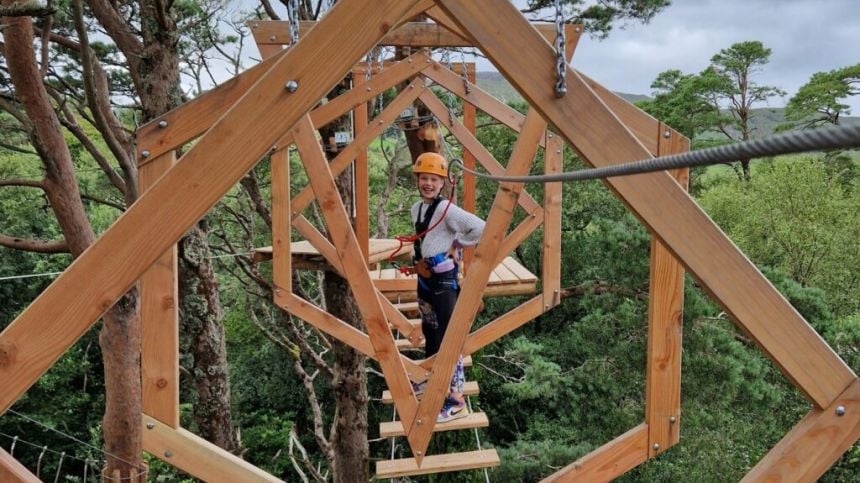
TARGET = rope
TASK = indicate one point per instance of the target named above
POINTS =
(795, 142)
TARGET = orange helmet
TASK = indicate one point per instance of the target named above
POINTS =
(432, 163)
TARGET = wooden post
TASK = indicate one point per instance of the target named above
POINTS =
(665, 323)
(282, 270)
(360, 170)
(159, 319)
(552, 197)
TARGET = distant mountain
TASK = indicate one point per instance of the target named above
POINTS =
(764, 119)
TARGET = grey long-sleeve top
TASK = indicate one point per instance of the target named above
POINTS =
(459, 227)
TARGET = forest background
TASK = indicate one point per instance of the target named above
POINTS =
(263, 385)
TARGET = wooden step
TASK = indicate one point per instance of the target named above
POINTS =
(404, 344)
(407, 307)
(470, 388)
(391, 429)
(438, 464)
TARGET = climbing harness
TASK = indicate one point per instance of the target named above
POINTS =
(839, 137)
(560, 61)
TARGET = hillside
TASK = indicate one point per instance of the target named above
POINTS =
(765, 119)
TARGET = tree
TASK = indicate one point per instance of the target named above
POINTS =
(819, 101)
(729, 86)
(598, 16)
(678, 102)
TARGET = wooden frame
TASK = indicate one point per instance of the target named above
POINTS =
(230, 115)
(12, 471)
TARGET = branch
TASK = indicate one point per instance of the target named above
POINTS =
(105, 202)
(36, 246)
(17, 149)
(23, 182)
(269, 10)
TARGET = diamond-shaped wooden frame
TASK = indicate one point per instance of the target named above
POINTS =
(232, 144)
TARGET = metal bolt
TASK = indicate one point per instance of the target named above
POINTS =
(577, 29)
(549, 136)
(656, 446)
(291, 86)
(840, 410)
(419, 453)
(150, 425)
(667, 134)
(254, 25)
(426, 374)
(368, 89)
(412, 86)
(272, 38)
(144, 153)
(672, 419)
(410, 61)
(546, 307)
(168, 454)
(162, 124)
(419, 422)
(558, 152)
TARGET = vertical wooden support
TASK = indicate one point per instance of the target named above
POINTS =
(159, 319)
(551, 277)
(12, 471)
(469, 182)
(360, 170)
(281, 220)
(665, 323)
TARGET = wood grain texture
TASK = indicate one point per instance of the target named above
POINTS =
(282, 258)
(665, 324)
(814, 444)
(609, 461)
(196, 456)
(656, 199)
(159, 320)
(391, 429)
(12, 471)
(437, 464)
(552, 198)
(362, 179)
(95, 280)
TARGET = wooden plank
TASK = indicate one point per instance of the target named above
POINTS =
(159, 320)
(190, 120)
(470, 117)
(196, 456)
(440, 463)
(104, 272)
(504, 274)
(471, 144)
(349, 153)
(522, 273)
(609, 461)
(391, 429)
(519, 234)
(354, 269)
(811, 447)
(552, 199)
(665, 324)
(362, 181)
(693, 238)
(282, 269)
(470, 388)
(12, 471)
(475, 282)
(492, 290)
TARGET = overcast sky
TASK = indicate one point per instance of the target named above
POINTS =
(805, 36)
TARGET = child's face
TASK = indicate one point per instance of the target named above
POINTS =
(429, 185)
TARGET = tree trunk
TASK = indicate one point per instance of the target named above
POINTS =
(120, 335)
(202, 321)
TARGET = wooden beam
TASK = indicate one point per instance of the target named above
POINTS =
(282, 270)
(196, 456)
(586, 123)
(354, 269)
(159, 320)
(338, 329)
(391, 429)
(362, 180)
(12, 471)
(665, 323)
(91, 285)
(362, 140)
(552, 198)
(519, 234)
(609, 461)
(475, 282)
(818, 440)
(412, 34)
(188, 121)
(471, 144)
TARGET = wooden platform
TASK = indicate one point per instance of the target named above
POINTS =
(438, 464)
(305, 256)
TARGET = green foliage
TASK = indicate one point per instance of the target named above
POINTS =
(819, 101)
(599, 17)
(794, 217)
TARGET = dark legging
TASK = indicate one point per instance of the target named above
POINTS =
(436, 299)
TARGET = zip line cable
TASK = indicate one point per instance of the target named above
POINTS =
(839, 137)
